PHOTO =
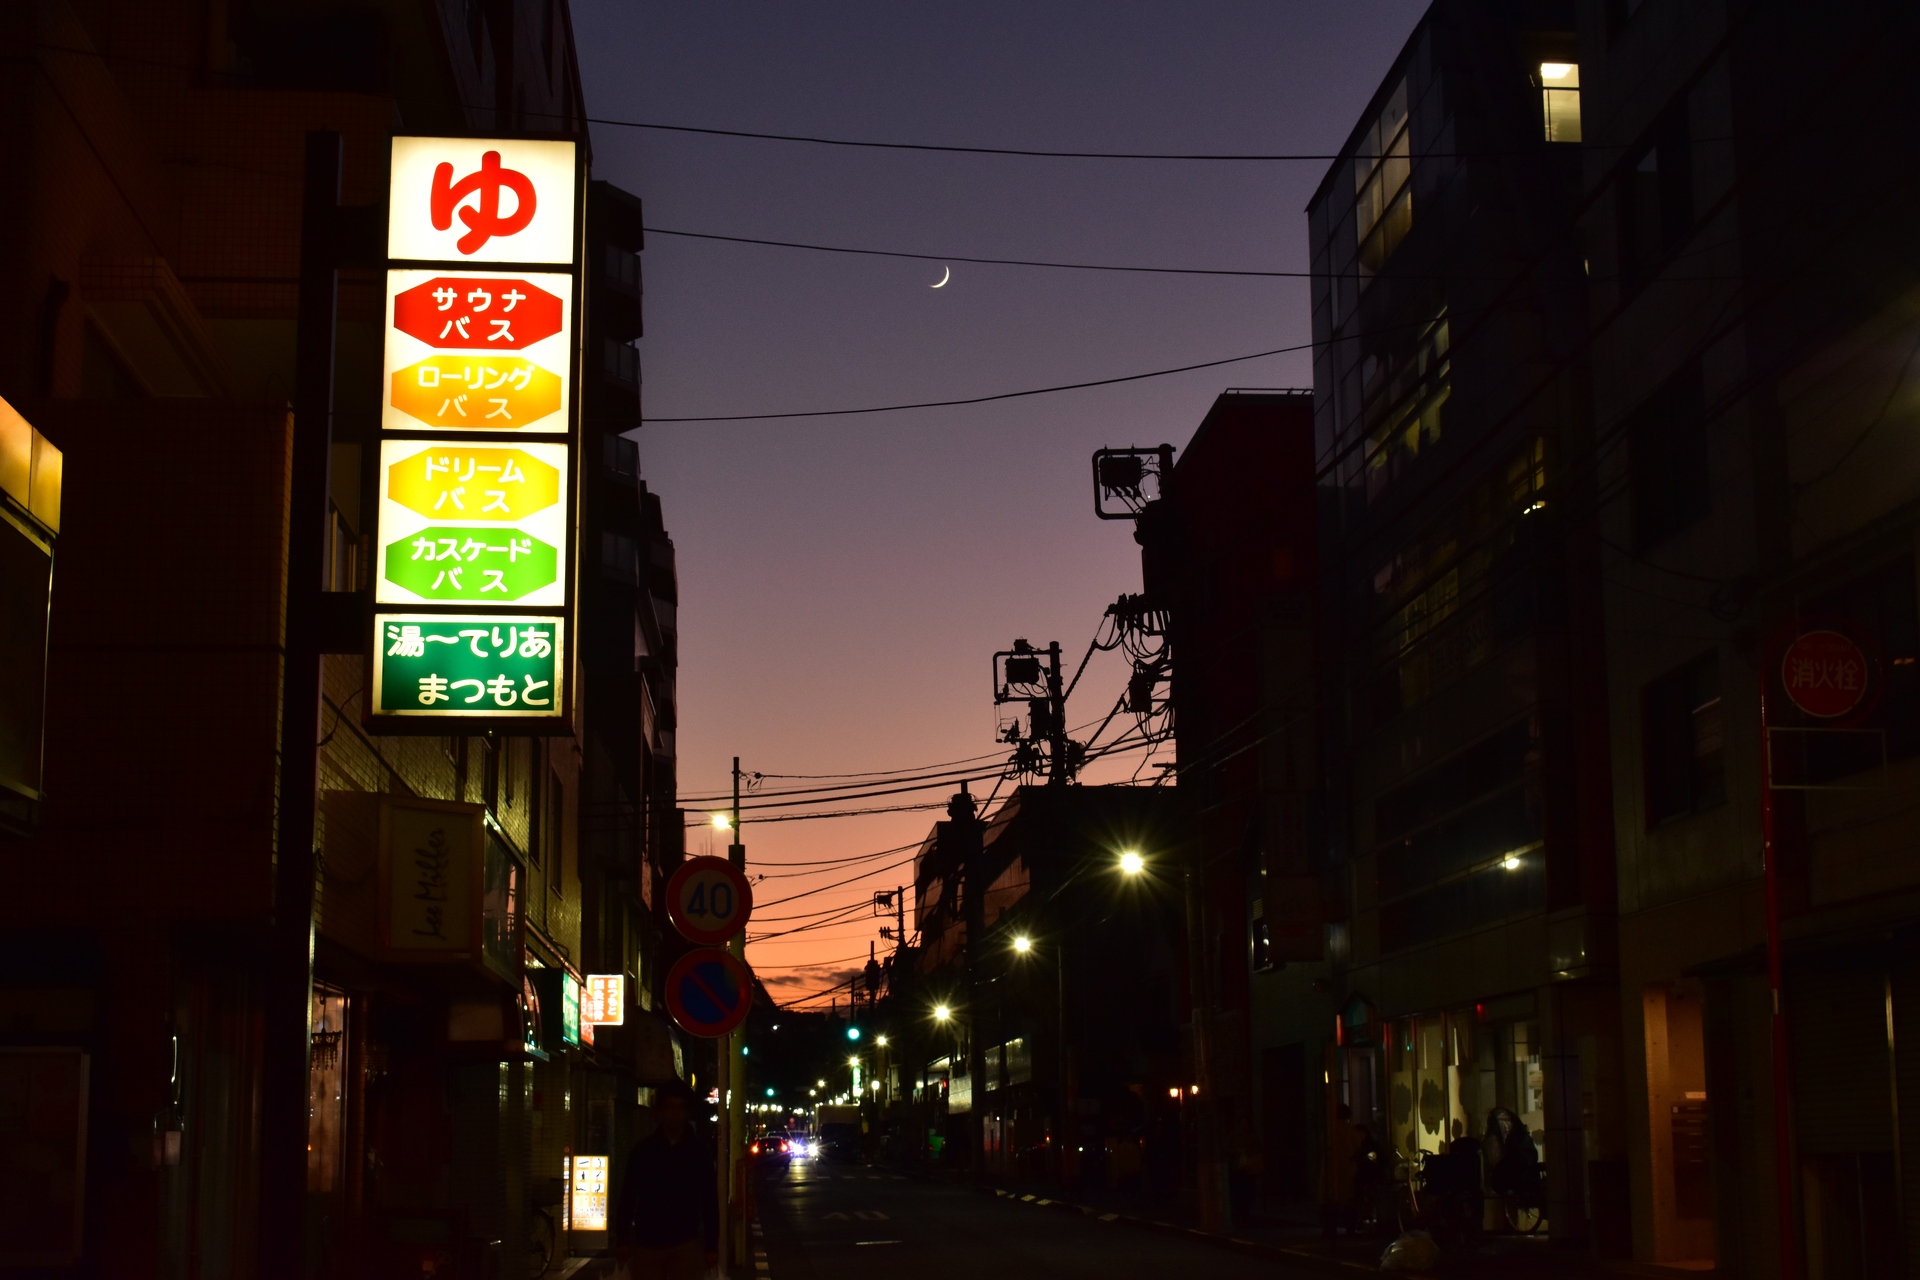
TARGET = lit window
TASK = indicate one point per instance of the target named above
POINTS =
(1560, 100)
(1383, 199)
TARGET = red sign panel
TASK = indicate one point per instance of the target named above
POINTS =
(1825, 674)
(477, 314)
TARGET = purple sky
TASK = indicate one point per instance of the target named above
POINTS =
(844, 582)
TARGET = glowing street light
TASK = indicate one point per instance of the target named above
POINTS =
(821, 1083)
(853, 1062)
(881, 1041)
(721, 823)
(1023, 944)
(941, 1013)
(1132, 863)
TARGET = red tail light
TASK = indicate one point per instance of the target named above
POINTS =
(755, 1149)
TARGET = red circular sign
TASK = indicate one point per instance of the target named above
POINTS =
(1825, 674)
(708, 900)
(708, 992)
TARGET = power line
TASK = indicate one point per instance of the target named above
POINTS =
(990, 262)
(1003, 395)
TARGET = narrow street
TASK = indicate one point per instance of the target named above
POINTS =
(856, 1222)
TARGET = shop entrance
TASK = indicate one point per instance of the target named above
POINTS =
(1677, 1120)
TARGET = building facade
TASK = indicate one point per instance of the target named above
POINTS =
(148, 301)
(1465, 718)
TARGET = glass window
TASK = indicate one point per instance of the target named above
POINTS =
(1560, 100)
(1383, 200)
(1685, 762)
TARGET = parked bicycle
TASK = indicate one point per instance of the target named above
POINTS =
(1439, 1193)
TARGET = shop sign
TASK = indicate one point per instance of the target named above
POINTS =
(477, 666)
(603, 1000)
(472, 524)
(569, 1008)
(586, 1193)
(430, 857)
(1825, 674)
(478, 352)
(475, 531)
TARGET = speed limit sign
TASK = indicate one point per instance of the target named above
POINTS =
(708, 900)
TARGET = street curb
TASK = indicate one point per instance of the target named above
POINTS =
(1276, 1252)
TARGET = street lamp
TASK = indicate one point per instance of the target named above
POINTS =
(1132, 863)
(853, 1062)
(941, 1013)
(881, 1041)
(1023, 944)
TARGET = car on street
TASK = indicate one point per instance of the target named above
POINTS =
(772, 1150)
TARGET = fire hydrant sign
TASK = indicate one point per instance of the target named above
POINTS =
(475, 543)
(478, 352)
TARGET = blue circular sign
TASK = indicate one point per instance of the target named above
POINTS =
(708, 992)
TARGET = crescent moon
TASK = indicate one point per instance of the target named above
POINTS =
(947, 274)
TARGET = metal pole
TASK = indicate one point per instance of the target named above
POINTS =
(734, 1080)
(1782, 1063)
(286, 1037)
(1061, 773)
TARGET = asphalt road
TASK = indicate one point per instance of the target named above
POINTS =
(854, 1222)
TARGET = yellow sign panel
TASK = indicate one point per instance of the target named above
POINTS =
(476, 393)
(462, 482)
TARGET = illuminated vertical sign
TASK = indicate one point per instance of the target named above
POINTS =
(603, 1000)
(587, 1201)
(475, 542)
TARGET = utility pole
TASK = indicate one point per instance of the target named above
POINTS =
(733, 1078)
(963, 827)
(287, 1027)
(1025, 674)
(1061, 771)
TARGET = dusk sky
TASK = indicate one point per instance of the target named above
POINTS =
(844, 581)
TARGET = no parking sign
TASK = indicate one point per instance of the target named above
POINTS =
(708, 992)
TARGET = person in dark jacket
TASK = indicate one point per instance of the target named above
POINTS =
(668, 1226)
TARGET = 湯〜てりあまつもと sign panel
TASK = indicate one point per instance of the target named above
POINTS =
(475, 532)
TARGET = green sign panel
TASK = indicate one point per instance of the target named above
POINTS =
(450, 665)
(441, 563)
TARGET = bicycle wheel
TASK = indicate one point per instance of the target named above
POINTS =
(1406, 1207)
(539, 1243)
(1523, 1216)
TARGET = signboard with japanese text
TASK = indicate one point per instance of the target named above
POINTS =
(477, 489)
(472, 524)
(454, 665)
(587, 1193)
(483, 200)
(478, 351)
(603, 1000)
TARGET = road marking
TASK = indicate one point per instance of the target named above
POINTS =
(861, 1242)
(1109, 1217)
(869, 1215)
(1026, 1199)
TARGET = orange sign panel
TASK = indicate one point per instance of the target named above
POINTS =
(476, 393)
(458, 482)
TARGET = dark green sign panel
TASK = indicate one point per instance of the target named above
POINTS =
(442, 563)
(478, 667)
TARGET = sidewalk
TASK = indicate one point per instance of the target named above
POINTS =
(1291, 1234)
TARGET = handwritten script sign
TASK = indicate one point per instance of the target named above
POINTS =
(431, 880)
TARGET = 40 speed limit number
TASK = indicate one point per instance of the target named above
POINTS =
(708, 900)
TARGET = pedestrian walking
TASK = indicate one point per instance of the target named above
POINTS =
(668, 1226)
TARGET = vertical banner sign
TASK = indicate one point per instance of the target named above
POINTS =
(474, 551)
